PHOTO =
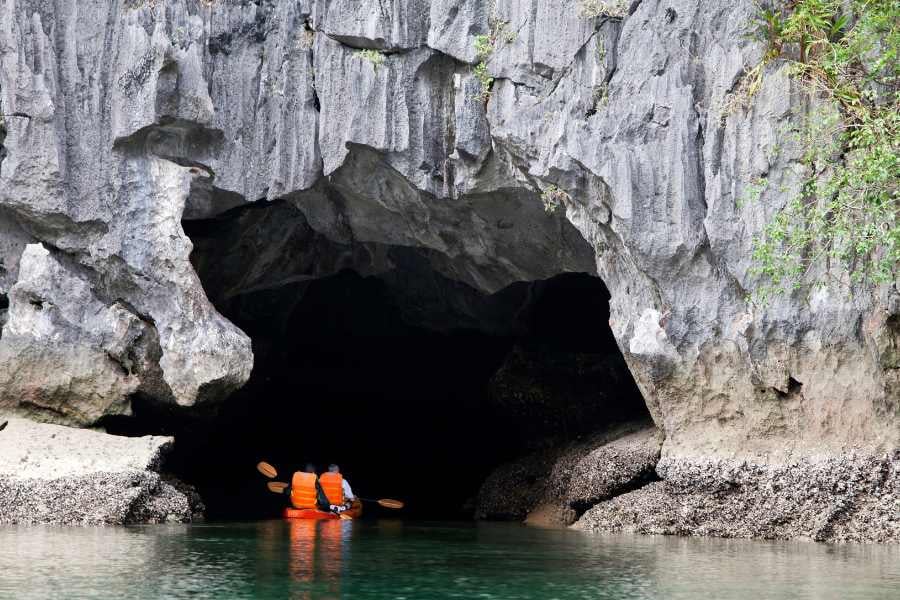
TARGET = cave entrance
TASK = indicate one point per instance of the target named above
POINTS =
(418, 386)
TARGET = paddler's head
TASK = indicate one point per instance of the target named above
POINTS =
(333, 468)
(309, 468)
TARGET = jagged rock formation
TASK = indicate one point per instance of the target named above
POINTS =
(846, 499)
(556, 485)
(143, 113)
(66, 476)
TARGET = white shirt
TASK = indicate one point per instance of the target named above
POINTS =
(348, 493)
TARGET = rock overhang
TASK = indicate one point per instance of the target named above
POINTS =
(622, 119)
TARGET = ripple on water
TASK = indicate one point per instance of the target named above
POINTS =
(415, 561)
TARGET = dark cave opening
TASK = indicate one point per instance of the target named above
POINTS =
(392, 377)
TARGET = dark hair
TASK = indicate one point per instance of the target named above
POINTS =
(309, 468)
(333, 468)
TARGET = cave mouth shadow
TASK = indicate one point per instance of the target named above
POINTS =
(417, 385)
(406, 410)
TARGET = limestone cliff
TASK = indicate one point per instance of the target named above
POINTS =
(368, 119)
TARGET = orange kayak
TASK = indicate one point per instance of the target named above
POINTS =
(354, 512)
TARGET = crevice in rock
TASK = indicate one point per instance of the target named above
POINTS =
(4, 312)
(794, 389)
(3, 131)
(697, 97)
(363, 43)
(561, 74)
(255, 32)
(642, 479)
(635, 4)
(175, 140)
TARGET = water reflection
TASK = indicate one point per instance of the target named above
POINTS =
(317, 553)
(327, 560)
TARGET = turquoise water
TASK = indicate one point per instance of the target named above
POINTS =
(418, 561)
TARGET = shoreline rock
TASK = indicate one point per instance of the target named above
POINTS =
(847, 498)
(55, 475)
(552, 487)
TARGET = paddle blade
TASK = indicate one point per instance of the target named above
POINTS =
(388, 503)
(3, 425)
(267, 470)
(277, 487)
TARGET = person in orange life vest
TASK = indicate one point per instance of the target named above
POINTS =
(305, 491)
(337, 489)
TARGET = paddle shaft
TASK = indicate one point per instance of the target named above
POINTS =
(385, 502)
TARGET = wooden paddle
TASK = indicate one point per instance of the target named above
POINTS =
(277, 487)
(267, 470)
(385, 502)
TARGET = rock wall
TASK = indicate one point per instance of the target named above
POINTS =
(139, 113)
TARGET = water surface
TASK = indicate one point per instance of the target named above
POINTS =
(426, 561)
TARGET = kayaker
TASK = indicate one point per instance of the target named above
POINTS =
(337, 489)
(305, 490)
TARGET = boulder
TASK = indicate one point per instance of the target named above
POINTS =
(60, 475)
(827, 499)
(554, 486)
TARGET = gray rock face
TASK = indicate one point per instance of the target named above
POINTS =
(77, 358)
(549, 396)
(554, 486)
(60, 475)
(848, 499)
(142, 113)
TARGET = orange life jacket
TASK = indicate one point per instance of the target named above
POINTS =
(303, 490)
(333, 485)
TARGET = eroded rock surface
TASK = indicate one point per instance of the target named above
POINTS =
(847, 499)
(554, 486)
(139, 114)
(66, 476)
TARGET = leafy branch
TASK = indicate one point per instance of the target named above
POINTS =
(847, 211)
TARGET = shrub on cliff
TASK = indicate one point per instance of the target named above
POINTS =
(847, 212)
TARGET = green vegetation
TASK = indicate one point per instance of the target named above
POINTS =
(553, 198)
(484, 47)
(754, 191)
(600, 45)
(590, 9)
(373, 56)
(847, 212)
(485, 80)
(600, 95)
